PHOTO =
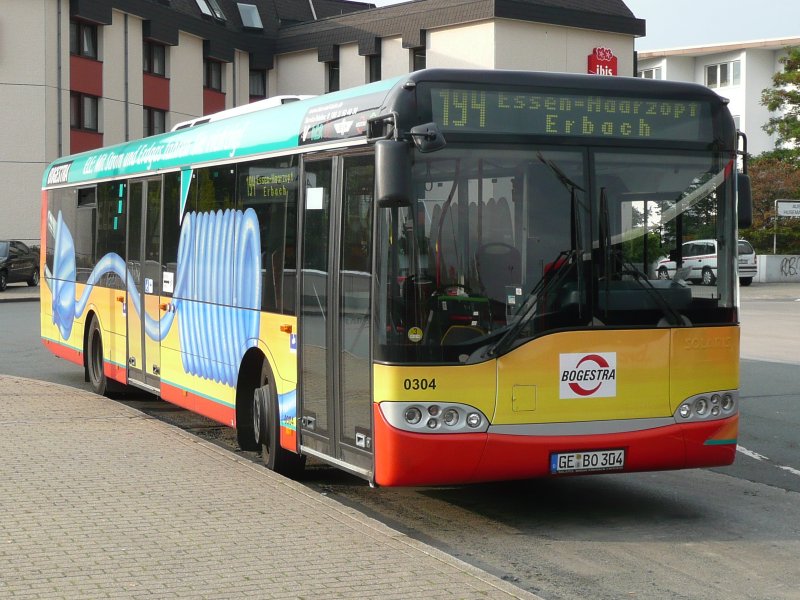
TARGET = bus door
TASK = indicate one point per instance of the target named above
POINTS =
(335, 317)
(144, 270)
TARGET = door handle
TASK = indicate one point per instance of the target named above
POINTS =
(121, 299)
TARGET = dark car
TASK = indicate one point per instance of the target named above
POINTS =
(18, 262)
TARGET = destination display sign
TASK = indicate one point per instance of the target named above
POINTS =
(481, 110)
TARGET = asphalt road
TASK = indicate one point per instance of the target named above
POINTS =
(722, 533)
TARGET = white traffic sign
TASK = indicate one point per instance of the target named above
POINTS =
(788, 208)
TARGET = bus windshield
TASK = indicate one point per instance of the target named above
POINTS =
(504, 244)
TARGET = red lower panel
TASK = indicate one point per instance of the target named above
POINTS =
(403, 458)
(116, 372)
(222, 413)
(65, 352)
(288, 439)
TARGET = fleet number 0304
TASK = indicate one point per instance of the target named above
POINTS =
(419, 384)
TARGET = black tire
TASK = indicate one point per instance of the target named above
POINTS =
(708, 276)
(275, 457)
(247, 436)
(34, 279)
(3, 281)
(94, 360)
(745, 281)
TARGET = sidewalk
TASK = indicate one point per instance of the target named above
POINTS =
(19, 292)
(99, 500)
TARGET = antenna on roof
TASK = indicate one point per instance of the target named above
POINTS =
(313, 12)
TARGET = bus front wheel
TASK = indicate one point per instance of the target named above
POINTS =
(275, 457)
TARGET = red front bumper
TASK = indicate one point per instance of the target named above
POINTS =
(403, 458)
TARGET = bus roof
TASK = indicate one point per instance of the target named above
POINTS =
(336, 116)
(339, 115)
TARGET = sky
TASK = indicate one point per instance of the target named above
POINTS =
(676, 23)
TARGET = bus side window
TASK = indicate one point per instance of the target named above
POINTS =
(171, 229)
(269, 187)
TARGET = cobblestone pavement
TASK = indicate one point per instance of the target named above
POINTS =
(98, 500)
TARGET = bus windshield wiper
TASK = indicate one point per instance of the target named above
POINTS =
(553, 278)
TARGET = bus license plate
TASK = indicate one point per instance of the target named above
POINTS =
(578, 462)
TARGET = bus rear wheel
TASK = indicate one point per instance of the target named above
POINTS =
(275, 457)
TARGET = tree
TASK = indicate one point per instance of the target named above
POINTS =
(772, 177)
(784, 99)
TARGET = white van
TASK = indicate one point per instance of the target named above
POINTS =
(700, 263)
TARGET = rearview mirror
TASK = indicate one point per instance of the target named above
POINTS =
(745, 201)
(428, 138)
(392, 173)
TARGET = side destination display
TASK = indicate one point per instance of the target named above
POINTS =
(482, 110)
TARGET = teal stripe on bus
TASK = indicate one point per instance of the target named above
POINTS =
(258, 132)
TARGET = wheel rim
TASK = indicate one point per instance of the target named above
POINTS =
(258, 410)
(35, 277)
(707, 277)
(662, 274)
(2, 281)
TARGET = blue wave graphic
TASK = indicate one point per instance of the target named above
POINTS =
(217, 290)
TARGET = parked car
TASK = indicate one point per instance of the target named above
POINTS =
(748, 265)
(18, 262)
(700, 262)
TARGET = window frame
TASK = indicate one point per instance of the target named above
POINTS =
(78, 120)
(651, 73)
(212, 70)
(732, 72)
(149, 49)
(262, 80)
(334, 76)
(77, 31)
(149, 124)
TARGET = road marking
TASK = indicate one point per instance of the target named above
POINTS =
(791, 470)
(750, 453)
(761, 457)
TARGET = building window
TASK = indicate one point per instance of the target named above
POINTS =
(83, 111)
(654, 73)
(155, 121)
(212, 75)
(83, 39)
(333, 76)
(373, 68)
(211, 8)
(418, 60)
(155, 58)
(250, 17)
(258, 84)
(724, 74)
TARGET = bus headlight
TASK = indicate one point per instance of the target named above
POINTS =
(450, 417)
(708, 407)
(413, 415)
(727, 403)
(701, 406)
(434, 417)
(474, 420)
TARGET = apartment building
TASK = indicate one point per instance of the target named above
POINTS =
(738, 71)
(80, 74)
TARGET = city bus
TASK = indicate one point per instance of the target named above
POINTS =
(442, 278)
